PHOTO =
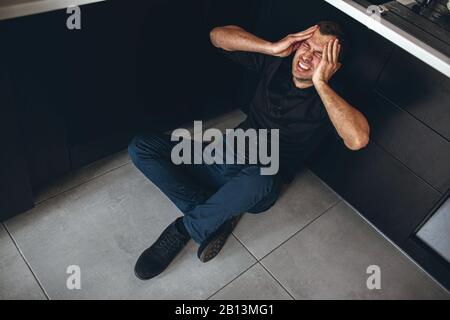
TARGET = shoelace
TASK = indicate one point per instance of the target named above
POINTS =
(170, 243)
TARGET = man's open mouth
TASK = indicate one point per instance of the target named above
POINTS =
(303, 67)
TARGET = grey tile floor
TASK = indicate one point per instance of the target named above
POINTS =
(310, 245)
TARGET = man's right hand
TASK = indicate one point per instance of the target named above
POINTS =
(289, 44)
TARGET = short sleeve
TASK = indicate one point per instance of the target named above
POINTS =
(250, 60)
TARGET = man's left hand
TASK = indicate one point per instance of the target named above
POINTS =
(329, 64)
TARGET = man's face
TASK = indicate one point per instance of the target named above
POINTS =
(308, 56)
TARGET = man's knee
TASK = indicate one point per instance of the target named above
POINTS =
(257, 182)
(146, 146)
(134, 148)
(266, 190)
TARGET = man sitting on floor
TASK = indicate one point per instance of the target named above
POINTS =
(293, 96)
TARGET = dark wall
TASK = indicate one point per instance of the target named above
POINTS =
(76, 96)
(15, 187)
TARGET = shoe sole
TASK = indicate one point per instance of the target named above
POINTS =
(214, 247)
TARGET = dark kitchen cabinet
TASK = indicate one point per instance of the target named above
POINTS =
(76, 96)
(15, 188)
(419, 90)
(84, 93)
(397, 180)
(401, 135)
(101, 82)
(384, 190)
(40, 95)
(145, 66)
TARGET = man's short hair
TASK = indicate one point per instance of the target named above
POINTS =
(331, 28)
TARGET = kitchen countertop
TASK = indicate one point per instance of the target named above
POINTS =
(439, 61)
(19, 8)
(406, 41)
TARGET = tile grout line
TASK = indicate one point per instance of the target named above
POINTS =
(339, 200)
(112, 169)
(82, 183)
(228, 117)
(26, 262)
(303, 228)
(232, 280)
(274, 278)
(259, 262)
(325, 184)
(396, 247)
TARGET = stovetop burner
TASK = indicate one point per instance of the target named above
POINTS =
(436, 11)
(427, 20)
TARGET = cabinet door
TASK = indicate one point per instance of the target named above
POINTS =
(136, 66)
(385, 191)
(15, 189)
(418, 147)
(39, 70)
(418, 89)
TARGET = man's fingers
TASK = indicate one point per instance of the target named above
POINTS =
(295, 46)
(336, 51)
(301, 37)
(314, 27)
(303, 34)
(325, 53)
(338, 55)
(290, 40)
(330, 51)
(307, 31)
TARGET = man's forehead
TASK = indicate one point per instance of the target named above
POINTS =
(318, 40)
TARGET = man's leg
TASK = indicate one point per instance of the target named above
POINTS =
(247, 191)
(208, 215)
(151, 154)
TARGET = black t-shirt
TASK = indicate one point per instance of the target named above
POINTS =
(299, 114)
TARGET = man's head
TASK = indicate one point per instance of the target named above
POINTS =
(309, 52)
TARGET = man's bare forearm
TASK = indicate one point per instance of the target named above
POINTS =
(234, 38)
(350, 124)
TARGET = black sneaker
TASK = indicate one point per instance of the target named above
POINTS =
(157, 258)
(210, 248)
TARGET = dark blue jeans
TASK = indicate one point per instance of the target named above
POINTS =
(208, 195)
